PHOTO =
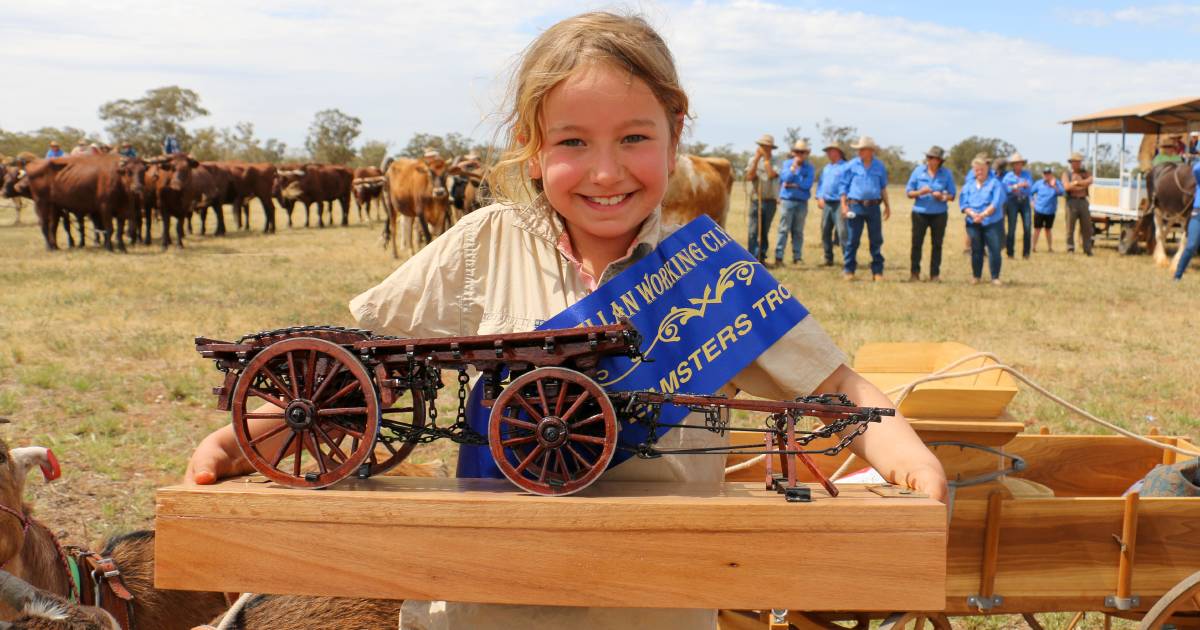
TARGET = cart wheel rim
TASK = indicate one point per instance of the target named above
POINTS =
(398, 419)
(324, 395)
(552, 431)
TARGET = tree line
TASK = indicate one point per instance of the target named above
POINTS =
(333, 138)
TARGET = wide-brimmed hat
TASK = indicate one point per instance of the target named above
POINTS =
(767, 140)
(1168, 141)
(81, 143)
(54, 143)
(865, 142)
(432, 153)
(834, 147)
(936, 152)
(1047, 169)
(1075, 157)
(1017, 157)
(801, 145)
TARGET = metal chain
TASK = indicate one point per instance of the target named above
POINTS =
(294, 330)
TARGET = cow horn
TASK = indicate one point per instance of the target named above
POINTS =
(14, 591)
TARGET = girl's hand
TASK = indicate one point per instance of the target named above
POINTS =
(820, 203)
(216, 457)
(928, 481)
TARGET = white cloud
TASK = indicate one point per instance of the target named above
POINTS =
(403, 67)
(1152, 15)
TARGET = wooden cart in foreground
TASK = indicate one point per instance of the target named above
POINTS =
(1060, 535)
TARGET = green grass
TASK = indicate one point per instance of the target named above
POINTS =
(97, 360)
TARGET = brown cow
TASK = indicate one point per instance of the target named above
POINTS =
(368, 188)
(321, 184)
(215, 181)
(176, 195)
(252, 181)
(416, 195)
(101, 187)
(698, 185)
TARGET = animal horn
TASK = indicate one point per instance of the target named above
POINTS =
(14, 591)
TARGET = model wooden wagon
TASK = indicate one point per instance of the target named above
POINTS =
(312, 406)
(1058, 533)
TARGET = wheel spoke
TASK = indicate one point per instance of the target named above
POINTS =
(342, 411)
(277, 382)
(291, 363)
(529, 426)
(267, 397)
(586, 421)
(583, 462)
(562, 397)
(398, 410)
(310, 444)
(544, 464)
(528, 408)
(263, 415)
(333, 447)
(529, 458)
(283, 449)
(310, 373)
(575, 405)
(541, 390)
(269, 434)
(562, 464)
(357, 435)
(586, 438)
(338, 394)
(329, 378)
(296, 459)
(517, 440)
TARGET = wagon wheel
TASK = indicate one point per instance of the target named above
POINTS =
(1184, 594)
(323, 394)
(552, 431)
(399, 420)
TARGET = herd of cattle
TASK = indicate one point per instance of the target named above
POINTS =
(122, 197)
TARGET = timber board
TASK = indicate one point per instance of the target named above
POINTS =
(730, 545)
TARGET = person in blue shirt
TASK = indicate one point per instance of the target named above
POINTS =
(127, 150)
(829, 200)
(1018, 183)
(931, 185)
(55, 150)
(1045, 204)
(863, 191)
(1191, 241)
(171, 145)
(795, 187)
(982, 200)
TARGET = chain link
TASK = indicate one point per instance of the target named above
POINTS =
(295, 330)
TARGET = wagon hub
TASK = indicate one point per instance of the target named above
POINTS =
(300, 414)
(552, 432)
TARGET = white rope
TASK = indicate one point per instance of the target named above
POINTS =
(231, 615)
(945, 374)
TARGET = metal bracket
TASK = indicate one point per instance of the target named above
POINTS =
(985, 603)
(1122, 603)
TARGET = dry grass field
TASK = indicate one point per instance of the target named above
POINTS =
(97, 362)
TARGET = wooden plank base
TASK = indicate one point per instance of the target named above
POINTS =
(728, 545)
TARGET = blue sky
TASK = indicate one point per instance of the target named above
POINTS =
(909, 74)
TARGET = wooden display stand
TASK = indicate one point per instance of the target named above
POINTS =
(727, 545)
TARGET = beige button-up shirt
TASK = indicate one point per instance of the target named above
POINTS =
(501, 269)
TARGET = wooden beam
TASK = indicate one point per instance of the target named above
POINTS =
(731, 545)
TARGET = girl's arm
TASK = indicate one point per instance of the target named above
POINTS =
(890, 446)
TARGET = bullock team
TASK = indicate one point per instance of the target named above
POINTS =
(123, 195)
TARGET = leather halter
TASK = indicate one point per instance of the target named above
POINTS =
(25, 524)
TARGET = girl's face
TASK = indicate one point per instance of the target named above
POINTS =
(606, 154)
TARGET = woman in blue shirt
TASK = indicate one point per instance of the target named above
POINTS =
(982, 199)
(1018, 184)
(795, 187)
(932, 186)
(1191, 242)
(1045, 203)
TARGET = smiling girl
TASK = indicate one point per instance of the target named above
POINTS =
(597, 113)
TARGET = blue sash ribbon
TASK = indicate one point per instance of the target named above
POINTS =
(706, 309)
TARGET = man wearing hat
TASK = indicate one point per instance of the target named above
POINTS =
(55, 150)
(1018, 184)
(762, 175)
(931, 186)
(795, 187)
(829, 187)
(1045, 196)
(81, 148)
(864, 191)
(1076, 182)
(127, 150)
(1168, 151)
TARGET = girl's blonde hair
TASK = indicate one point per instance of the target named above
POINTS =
(628, 42)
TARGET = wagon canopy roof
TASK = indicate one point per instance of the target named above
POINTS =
(1142, 118)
